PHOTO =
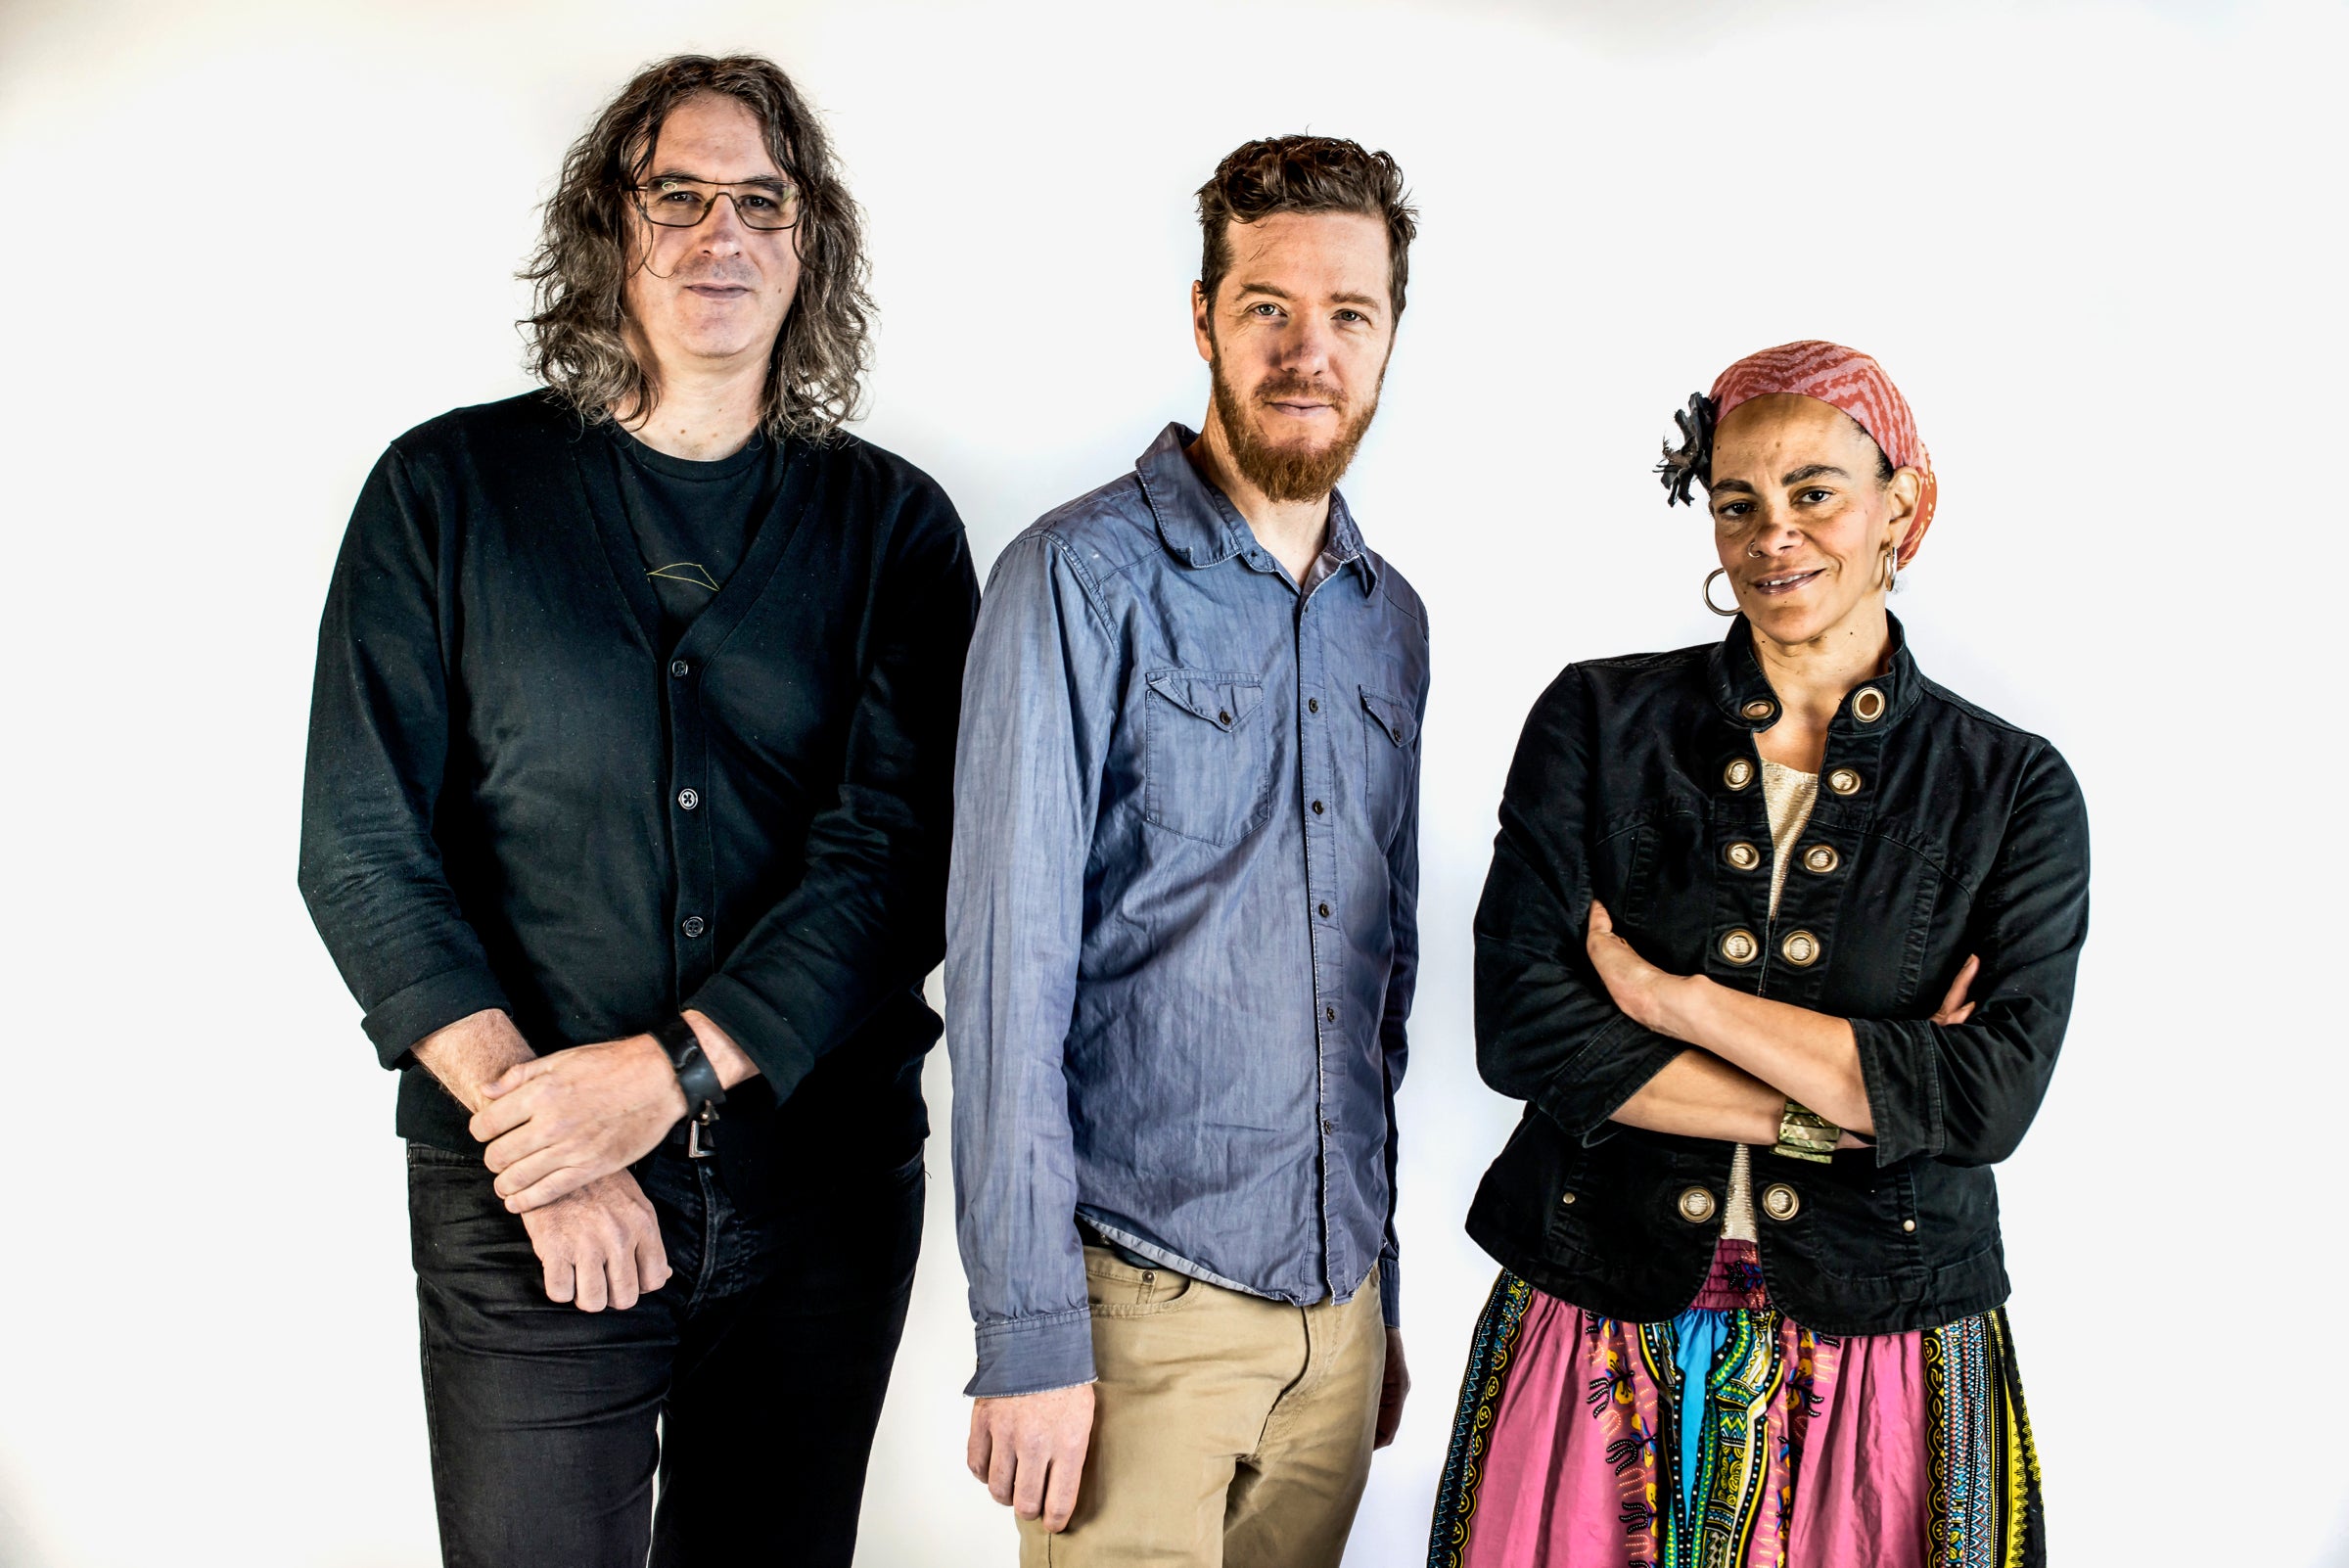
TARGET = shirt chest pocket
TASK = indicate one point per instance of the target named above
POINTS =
(1391, 750)
(1206, 771)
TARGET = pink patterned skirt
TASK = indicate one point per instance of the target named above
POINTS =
(1732, 1437)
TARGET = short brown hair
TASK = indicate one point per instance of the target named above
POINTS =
(815, 373)
(1305, 174)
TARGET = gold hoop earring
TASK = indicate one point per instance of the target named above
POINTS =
(1730, 614)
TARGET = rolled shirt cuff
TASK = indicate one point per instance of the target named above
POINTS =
(398, 1022)
(1389, 1291)
(764, 1035)
(1029, 1354)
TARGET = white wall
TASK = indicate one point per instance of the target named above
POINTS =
(2088, 240)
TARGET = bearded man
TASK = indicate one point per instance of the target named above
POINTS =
(631, 760)
(1181, 931)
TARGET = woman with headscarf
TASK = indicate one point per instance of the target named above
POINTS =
(1750, 1302)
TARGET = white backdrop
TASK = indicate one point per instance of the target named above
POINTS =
(2090, 241)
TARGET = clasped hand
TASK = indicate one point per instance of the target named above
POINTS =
(554, 1124)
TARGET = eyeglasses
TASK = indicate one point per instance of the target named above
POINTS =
(681, 204)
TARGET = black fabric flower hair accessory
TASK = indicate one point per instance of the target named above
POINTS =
(1685, 467)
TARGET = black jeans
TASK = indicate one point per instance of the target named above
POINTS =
(751, 1382)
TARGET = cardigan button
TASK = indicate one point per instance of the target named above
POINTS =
(1743, 855)
(688, 799)
(1822, 858)
(1739, 947)
(695, 925)
(1843, 781)
(679, 668)
(1739, 773)
(1780, 1201)
(1696, 1206)
(1800, 948)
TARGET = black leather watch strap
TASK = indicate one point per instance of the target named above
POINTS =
(695, 1074)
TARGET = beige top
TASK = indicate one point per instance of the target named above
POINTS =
(1789, 794)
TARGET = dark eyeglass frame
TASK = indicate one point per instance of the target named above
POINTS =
(710, 190)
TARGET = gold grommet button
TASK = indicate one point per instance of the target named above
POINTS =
(1743, 855)
(1780, 1202)
(1758, 709)
(1822, 858)
(1800, 948)
(1843, 781)
(1739, 773)
(1867, 704)
(1908, 1224)
(1568, 1200)
(1696, 1206)
(1739, 947)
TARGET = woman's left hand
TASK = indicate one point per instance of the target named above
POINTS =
(1637, 986)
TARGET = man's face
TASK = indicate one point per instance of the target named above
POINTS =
(1298, 336)
(717, 292)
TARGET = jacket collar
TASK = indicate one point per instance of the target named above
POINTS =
(1744, 698)
(1200, 528)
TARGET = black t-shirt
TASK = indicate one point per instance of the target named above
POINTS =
(693, 520)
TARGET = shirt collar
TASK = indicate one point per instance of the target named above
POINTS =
(1200, 528)
(1743, 695)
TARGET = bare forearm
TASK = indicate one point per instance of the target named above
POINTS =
(732, 1062)
(1701, 1097)
(1806, 1056)
(469, 1055)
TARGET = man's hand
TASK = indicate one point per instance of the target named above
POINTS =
(600, 1245)
(1393, 1389)
(554, 1124)
(1030, 1450)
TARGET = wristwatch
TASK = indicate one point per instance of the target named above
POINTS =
(704, 1094)
(1805, 1134)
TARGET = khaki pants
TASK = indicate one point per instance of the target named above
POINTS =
(1229, 1431)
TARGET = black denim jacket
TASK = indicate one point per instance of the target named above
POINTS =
(1946, 831)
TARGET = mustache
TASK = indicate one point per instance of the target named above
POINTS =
(1288, 383)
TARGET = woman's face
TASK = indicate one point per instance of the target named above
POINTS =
(1798, 516)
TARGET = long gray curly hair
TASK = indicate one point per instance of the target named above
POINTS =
(577, 343)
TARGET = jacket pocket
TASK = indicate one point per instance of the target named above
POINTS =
(1391, 750)
(1208, 767)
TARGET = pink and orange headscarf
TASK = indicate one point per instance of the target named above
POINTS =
(1848, 380)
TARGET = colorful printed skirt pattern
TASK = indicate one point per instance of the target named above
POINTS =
(1732, 1437)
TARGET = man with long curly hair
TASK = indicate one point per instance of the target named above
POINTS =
(626, 822)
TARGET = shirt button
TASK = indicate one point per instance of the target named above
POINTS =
(1330, 1013)
(680, 668)
(1908, 1224)
(1328, 1128)
(1324, 912)
(689, 799)
(695, 925)
(1316, 809)
(1312, 705)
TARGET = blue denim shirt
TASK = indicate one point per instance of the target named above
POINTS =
(1181, 917)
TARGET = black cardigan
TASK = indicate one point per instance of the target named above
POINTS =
(513, 799)
(1953, 833)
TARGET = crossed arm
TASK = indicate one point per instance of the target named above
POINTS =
(1751, 1056)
